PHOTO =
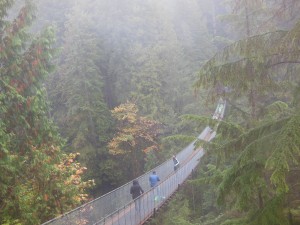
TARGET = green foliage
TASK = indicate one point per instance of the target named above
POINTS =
(244, 69)
(277, 110)
(199, 119)
(261, 170)
(273, 213)
(285, 154)
(253, 178)
(4, 6)
(248, 17)
(256, 153)
(137, 136)
(146, 51)
(34, 173)
(76, 93)
(175, 143)
(253, 68)
(183, 139)
(177, 214)
(212, 175)
(267, 154)
(239, 221)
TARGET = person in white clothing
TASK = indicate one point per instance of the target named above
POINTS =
(176, 163)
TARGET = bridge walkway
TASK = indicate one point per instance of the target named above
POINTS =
(117, 207)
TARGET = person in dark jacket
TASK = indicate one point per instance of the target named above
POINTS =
(136, 190)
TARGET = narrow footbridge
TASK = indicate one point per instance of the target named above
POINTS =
(117, 206)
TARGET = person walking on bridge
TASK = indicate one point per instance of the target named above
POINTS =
(153, 179)
(176, 163)
(136, 190)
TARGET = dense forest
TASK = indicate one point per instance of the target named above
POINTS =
(93, 93)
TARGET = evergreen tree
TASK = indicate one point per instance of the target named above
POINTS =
(53, 13)
(154, 78)
(254, 60)
(38, 182)
(259, 182)
(78, 100)
(115, 32)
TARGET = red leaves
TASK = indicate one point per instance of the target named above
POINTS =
(20, 21)
(18, 85)
(34, 63)
(15, 83)
(39, 50)
(28, 102)
(46, 197)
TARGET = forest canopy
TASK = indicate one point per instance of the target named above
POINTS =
(95, 93)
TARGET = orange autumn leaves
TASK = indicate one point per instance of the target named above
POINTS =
(135, 133)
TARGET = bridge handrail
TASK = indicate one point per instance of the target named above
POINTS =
(119, 197)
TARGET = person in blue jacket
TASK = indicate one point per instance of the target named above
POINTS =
(153, 179)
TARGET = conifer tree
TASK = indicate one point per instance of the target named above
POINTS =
(248, 69)
(78, 100)
(153, 75)
(38, 182)
(259, 182)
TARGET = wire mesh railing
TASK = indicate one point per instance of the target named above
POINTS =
(117, 207)
(139, 210)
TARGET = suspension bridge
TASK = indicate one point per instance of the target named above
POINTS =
(117, 206)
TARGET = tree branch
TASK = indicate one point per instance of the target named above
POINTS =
(278, 63)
